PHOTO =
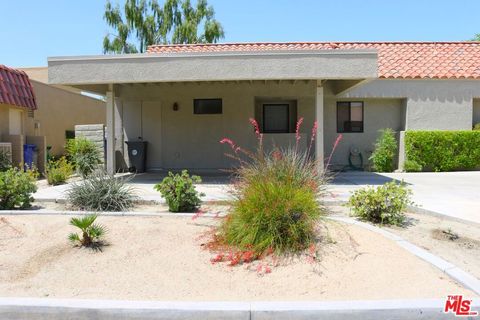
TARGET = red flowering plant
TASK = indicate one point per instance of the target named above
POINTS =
(277, 202)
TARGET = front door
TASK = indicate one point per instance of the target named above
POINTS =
(15, 121)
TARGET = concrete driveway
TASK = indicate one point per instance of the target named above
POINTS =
(455, 194)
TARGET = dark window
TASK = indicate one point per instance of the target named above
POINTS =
(207, 106)
(276, 118)
(349, 116)
(69, 134)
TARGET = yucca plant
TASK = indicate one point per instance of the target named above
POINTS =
(91, 232)
(102, 192)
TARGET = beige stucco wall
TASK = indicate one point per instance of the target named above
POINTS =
(17, 141)
(476, 111)
(378, 114)
(430, 104)
(60, 110)
(4, 123)
(5, 110)
(213, 66)
(181, 139)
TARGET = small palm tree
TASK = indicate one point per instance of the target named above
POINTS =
(91, 232)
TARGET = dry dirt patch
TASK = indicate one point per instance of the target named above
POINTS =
(454, 241)
(160, 258)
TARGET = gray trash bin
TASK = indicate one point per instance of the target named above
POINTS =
(137, 153)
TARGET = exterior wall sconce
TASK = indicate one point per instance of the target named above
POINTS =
(175, 106)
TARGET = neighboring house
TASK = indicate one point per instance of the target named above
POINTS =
(17, 101)
(183, 99)
(59, 110)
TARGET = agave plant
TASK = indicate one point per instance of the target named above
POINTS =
(91, 232)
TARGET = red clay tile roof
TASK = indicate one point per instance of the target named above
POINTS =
(16, 89)
(396, 60)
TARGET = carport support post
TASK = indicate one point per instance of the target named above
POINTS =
(111, 129)
(319, 120)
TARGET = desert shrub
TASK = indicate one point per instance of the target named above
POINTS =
(443, 150)
(58, 171)
(385, 151)
(276, 205)
(102, 192)
(16, 188)
(83, 154)
(5, 162)
(179, 191)
(412, 166)
(91, 233)
(476, 126)
(384, 204)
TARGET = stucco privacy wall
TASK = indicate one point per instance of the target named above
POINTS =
(181, 139)
(430, 104)
(17, 142)
(60, 110)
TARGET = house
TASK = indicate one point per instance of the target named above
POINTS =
(59, 109)
(17, 102)
(183, 99)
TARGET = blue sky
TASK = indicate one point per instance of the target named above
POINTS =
(33, 30)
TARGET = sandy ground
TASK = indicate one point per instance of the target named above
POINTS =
(161, 258)
(456, 242)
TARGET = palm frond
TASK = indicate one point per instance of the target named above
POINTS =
(97, 231)
(74, 238)
(84, 222)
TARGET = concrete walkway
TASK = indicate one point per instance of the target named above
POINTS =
(455, 194)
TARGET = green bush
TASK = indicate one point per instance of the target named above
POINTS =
(276, 206)
(179, 192)
(272, 214)
(91, 232)
(102, 192)
(5, 162)
(476, 126)
(83, 154)
(443, 150)
(384, 204)
(412, 166)
(58, 171)
(16, 188)
(385, 151)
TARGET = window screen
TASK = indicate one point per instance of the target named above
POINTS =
(349, 116)
(276, 118)
(207, 106)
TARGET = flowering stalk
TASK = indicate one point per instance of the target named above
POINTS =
(312, 137)
(297, 132)
(337, 141)
(257, 131)
(229, 142)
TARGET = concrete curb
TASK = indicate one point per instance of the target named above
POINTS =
(36, 309)
(420, 210)
(466, 279)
